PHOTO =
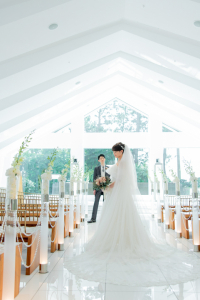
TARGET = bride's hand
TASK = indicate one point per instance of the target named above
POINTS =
(112, 185)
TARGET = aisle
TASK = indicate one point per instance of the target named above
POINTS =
(62, 285)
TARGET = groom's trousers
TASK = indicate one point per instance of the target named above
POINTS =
(96, 204)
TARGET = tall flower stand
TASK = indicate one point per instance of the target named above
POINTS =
(158, 202)
(43, 266)
(178, 218)
(78, 205)
(71, 209)
(61, 215)
(86, 199)
(10, 239)
(83, 202)
(152, 200)
(195, 220)
(166, 201)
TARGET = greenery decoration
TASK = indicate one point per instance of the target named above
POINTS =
(188, 168)
(18, 158)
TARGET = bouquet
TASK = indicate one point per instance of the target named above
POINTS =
(101, 183)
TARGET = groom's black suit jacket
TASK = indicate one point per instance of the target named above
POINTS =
(97, 173)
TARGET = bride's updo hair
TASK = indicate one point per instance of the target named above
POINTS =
(118, 147)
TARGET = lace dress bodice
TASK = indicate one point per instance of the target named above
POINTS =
(112, 171)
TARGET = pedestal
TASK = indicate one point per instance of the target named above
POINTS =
(195, 248)
(71, 217)
(9, 256)
(61, 225)
(78, 211)
(61, 247)
(178, 235)
(43, 267)
(178, 218)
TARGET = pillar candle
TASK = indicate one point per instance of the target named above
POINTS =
(194, 185)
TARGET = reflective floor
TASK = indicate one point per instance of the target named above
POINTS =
(62, 285)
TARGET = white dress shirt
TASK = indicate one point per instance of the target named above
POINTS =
(103, 171)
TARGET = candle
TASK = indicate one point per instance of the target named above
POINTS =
(78, 186)
(158, 186)
(194, 185)
(45, 186)
(166, 187)
(177, 186)
(152, 188)
(71, 186)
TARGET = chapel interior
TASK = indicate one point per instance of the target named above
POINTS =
(76, 77)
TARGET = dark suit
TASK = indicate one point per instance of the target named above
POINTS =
(97, 173)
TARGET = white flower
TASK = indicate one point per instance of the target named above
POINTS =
(46, 176)
(176, 180)
(13, 172)
(62, 178)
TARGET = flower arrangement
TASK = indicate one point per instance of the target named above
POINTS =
(77, 172)
(193, 179)
(164, 176)
(155, 177)
(86, 176)
(47, 173)
(150, 178)
(189, 169)
(101, 183)
(173, 174)
(18, 158)
(62, 177)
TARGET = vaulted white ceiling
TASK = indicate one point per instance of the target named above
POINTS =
(145, 52)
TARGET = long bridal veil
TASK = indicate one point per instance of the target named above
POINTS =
(123, 249)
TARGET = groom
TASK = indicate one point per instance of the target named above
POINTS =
(98, 171)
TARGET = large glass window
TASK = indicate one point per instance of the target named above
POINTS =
(173, 159)
(140, 157)
(35, 161)
(116, 116)
(166, 128)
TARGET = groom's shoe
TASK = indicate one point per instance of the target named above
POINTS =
(91, 221)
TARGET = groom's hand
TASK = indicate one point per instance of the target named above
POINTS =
(94, 192)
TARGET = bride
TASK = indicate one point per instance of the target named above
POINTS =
(123, 249)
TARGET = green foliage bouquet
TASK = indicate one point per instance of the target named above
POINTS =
(46, 174)
(101, 183)
(18, 158)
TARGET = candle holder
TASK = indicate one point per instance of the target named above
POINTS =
(195, 195)
(178, 218)
(195, 220)
(71, 216)
(9, 255)
(43, 266)
(61, 225)
(166, 212)
(158, 205)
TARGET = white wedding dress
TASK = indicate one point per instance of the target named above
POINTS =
(123, 249)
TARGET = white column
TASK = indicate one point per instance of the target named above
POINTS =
(77, 147)
(155, 145)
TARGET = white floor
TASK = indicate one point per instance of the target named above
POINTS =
(61, 284)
